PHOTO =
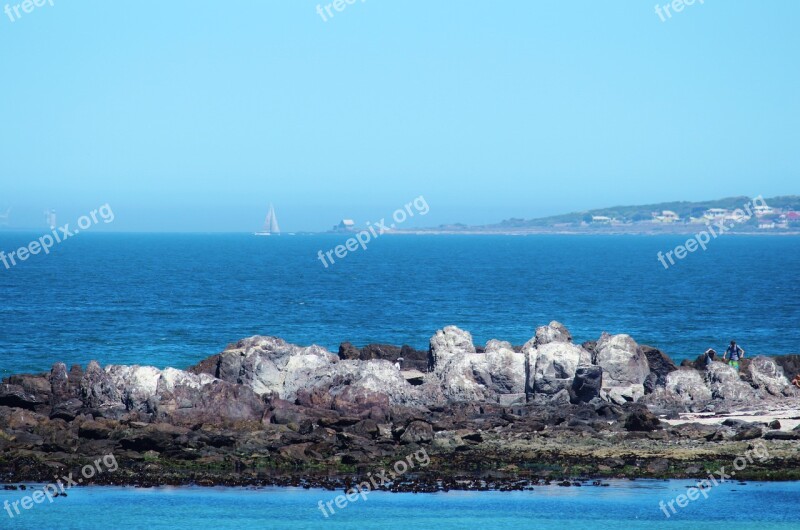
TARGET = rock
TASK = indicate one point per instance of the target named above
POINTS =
(269, 365)
(15, 396)
(552, 367)
(67, 410)
(782, 435)
(93, 430)
(97, 389)
(748, 433)
(553, 332)
(624, 365)
(659, 364)
(59, 384)
(725, 383)
(503, 369)
(775, 424)
(349, 352)
(417, 432)
(767, 375)
(651, 383)
(587, 383)
(688, 387)
(446, 344)
(640, 419)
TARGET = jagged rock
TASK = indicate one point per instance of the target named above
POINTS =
(97, 389)
(448, 343)
(269, 365)
(551, 367)
(767, 375)
(94, 430)
(15, 396)
(553, 332)
(688, 387)
(59, 384)
(504, 371)
(587, 383)
(417, 432)
(651, 383)
(724, 382)
(659, 363)
(624, 366)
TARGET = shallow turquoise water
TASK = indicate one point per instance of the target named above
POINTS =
(625, 505)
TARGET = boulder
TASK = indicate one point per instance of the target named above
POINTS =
(659, 363)
(269, 365)
(624, 364)
(16, 397)
(767, 375)
(724, 382)
(640, 419)
(551, 367)
(417, 432)
(502, 370)
(553, 332)
(688, 387)
(587, 383)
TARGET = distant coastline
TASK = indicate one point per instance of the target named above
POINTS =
(737, 215)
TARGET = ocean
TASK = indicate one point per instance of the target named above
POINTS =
(174, 299)
(625, 504)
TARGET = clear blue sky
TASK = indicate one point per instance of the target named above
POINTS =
(187, 115)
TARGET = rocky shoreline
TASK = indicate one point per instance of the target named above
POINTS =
(264, 412)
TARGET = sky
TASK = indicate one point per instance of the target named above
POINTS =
(194, 116)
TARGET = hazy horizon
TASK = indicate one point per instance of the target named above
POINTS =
(187, 117)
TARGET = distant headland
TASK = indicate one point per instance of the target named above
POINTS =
(743, 215)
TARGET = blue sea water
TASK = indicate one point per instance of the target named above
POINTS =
(172, 300)
(629, 505)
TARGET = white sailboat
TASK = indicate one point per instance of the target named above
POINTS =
(270, 224)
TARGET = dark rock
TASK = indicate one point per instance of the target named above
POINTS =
(587, 384)
(13, 395)
(659, 362)
(775, 424)
(650, 383)
(417, 432)
(93, 430)
(748, 433)
(782, 435)
(640, 419)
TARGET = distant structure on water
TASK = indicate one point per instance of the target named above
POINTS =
(345, 225)
(50, 218)
(271, 227)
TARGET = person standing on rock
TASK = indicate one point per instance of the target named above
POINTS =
(709, 356)
(735, 354)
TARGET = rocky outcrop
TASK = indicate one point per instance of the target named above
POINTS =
(552, 366)
(766, 375)
(725, 383)
(625, 367)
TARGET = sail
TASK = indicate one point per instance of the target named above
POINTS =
(271, 222)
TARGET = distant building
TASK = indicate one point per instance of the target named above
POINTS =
(601, 219)
(345, 225)
(762, 210)
(715, 213)
(766, 224)
(666, 216)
